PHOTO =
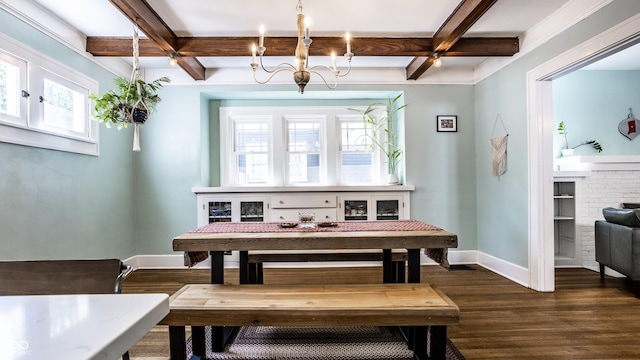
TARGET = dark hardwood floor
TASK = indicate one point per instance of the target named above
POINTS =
(583, 319)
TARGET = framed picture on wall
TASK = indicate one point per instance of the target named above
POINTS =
(447, 123)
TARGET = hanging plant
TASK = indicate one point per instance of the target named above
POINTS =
(127, 105)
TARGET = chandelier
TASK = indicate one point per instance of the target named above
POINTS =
(301, 70)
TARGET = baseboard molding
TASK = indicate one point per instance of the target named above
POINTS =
(513, 272)
(176, 261)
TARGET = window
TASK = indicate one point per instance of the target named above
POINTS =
(356, 153)
(304, 149)
(279, 146)
(251, 151)
(13, 78)
(44, 103)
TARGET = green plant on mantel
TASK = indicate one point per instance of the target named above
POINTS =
(127, 104)
(383, 124)
(562, 130)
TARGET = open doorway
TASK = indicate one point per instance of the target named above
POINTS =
(541, 130)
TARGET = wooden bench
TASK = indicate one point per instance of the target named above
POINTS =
(256, 258)
(414, 307)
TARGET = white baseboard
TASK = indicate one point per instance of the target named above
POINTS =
(177, 261)
(513, 272)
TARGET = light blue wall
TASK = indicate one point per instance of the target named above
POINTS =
(440, 165)
(502, 204)
(122, 203)
(592, 104)
(59, 205)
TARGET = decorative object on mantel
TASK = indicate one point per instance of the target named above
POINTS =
(499, 150)
(383, 125)
(629, 126)
(301, 70)
(568, 150)
(132, 103)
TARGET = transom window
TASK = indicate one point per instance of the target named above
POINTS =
(281, 146)
(44, 103)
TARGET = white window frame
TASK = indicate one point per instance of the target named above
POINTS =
(310, 118)
(22, 66)
(377, 161)
(330, 139)
(29, 129)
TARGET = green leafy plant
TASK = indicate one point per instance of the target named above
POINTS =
(117, 107)
(383, 124)
(562, 130)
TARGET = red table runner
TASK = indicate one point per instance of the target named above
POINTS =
(439, 255)
(262, 227)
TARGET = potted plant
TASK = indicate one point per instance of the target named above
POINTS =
(567, 150)
(383, 125)
(132, 102)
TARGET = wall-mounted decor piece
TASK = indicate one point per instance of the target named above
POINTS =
(499, 150)
(447, 123)
(629, 126)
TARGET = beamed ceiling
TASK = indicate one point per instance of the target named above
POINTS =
(391, 39)
(448, 40)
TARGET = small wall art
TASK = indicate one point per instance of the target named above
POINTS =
(447, 123)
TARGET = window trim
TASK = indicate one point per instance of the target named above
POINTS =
(330, 133)
(27, 131)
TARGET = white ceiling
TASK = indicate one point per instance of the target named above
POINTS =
(362, 18)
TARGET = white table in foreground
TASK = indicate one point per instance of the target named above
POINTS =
(76, 326)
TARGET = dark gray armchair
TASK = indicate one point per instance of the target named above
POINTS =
(617, 241)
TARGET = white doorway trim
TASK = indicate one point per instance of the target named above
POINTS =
(540, 129)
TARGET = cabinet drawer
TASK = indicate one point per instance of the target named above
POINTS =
(303, 201)
(292, 214)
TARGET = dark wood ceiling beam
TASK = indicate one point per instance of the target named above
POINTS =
(120, 47)
(484, 47)
(283, 46)
(460, 20)
(148, 21)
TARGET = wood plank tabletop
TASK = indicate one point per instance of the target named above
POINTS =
(193, 241)
(311, 305)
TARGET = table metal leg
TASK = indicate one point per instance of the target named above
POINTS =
(418, 341)
(197, 341)
(177, 343)
(217, 277)
(387, 267)
(413, 265)
(438, 342)
(244, 267)
(217, 267)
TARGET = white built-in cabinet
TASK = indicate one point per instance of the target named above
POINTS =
(285, 204)
(567, 244)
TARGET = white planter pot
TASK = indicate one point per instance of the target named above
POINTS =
(567, 152)
(392, 179)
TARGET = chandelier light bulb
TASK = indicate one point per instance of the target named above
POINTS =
(300, 66)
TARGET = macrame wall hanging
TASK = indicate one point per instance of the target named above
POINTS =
(499, 150)
(629, 127)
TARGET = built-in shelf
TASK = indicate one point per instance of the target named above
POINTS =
(566, 246)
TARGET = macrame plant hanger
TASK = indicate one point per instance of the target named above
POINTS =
(139, 110)
(499, 150)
